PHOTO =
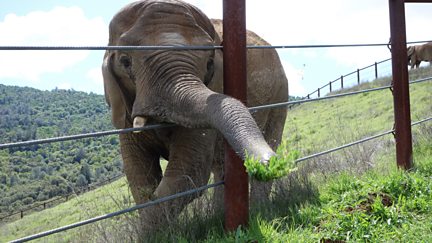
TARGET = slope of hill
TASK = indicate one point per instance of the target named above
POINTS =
(310, 128)
(39, 172)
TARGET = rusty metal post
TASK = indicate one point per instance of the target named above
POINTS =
(401, 100)
(234, 63)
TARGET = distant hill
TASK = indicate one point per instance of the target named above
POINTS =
(40, 172)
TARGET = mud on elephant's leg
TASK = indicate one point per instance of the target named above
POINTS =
(141, 167)
(189, 165)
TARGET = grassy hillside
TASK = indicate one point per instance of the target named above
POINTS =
(40, 172)
(356, 194)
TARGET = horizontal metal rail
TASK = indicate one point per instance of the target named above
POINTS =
(79, 189)
(158, 126)
(357, 142)
(189, 192)
(346, 75)
(66, 48)
(85, 135)
(277, 105)
(117, 213)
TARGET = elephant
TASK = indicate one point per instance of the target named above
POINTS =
(185, 88)
(419, 53)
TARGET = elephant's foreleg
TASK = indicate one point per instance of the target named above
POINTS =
(190, 160)
(141, 167)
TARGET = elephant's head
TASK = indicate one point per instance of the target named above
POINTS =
(172, 85)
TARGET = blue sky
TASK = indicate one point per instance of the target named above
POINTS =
(281, 22)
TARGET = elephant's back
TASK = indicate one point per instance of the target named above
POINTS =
(267, 82)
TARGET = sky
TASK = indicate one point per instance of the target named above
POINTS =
(280, 22)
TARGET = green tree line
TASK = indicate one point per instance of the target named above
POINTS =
(40, 172)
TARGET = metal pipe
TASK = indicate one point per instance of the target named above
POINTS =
(157, 126)
(236, 195)
(401, 100)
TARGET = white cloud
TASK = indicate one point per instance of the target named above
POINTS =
(295, 76)
(65, 86)
(328, 22)
(59, 27)
(95, 75)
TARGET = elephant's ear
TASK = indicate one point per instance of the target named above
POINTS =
(113, 94)
(410, 50)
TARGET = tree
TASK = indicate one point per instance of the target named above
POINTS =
(80, 155)
(86, 171)
(81, 181)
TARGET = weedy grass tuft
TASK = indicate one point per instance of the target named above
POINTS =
(278, 166)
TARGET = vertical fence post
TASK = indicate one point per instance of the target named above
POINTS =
(319, 92)
(401, 99)
(341, 82)
(358, 76)
(236, 196)
(22, 213)
(376, 70)
(330, 84)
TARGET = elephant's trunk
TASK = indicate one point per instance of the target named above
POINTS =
(234, 121)
(194, 106)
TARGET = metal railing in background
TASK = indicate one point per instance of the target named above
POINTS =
(38, 206)
(341, 82)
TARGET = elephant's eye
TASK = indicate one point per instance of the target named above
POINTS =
(126, 61)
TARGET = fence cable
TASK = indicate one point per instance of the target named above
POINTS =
(346, 75)
(357, 142)
(158, 126)
(117, 213)
(189, 192)
(77, 192)
(178, 47)
(277, 105)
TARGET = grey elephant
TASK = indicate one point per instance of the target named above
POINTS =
(185, 88)
(419, 53)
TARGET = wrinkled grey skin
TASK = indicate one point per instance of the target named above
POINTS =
(419, 53)
(185, 88)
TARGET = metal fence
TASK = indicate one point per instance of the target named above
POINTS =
(197, 190)
(401, 130)
(56, 200)
(365, 74)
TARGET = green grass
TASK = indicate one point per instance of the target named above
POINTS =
(384, 206)
(106, 199)
(277, 167)
(355, 195)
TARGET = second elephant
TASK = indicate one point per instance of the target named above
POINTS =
(419, 53)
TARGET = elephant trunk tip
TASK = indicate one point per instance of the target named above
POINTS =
(262, 155)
